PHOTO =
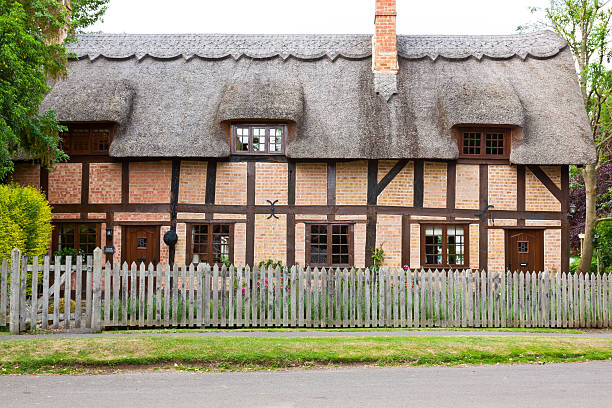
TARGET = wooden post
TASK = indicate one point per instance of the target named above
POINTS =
(96, 300)
(14, 299)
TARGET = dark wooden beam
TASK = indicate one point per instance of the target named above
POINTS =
(250, 212)
(405, 240)
(291, 217)
(211, 185)
(565, 244)
(331, 188)
(520, 192)
(483, 230)
(548, 183)
(419, 183)
(451, 182)
(84, 188)
(125, 182)
(175, 182)
(372, 182)
(306, 209)
(44, 180)
(109, 224)
(372, 195)
(390, 176)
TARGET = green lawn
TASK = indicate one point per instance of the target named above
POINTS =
(351, 330)
(78, 355)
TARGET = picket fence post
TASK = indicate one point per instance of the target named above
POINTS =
(15, 291)
(97, 282)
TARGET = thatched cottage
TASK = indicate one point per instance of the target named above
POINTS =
(444, 151)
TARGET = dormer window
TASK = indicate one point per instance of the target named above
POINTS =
(261, 139)
(484, 143)
(87, 140)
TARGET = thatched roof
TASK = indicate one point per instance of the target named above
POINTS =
(170, 93)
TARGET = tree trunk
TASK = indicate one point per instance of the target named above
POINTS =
(589, 173)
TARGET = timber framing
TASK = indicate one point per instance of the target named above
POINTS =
(548, 183)
(250, 212)
(409, 215)
(483, 229)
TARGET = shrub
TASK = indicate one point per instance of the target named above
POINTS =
(25, 221)
(62, 303)
(271, 262)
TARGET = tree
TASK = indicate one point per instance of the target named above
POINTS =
(585, 24)
(33, 34)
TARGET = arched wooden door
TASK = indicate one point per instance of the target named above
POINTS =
(525, 250)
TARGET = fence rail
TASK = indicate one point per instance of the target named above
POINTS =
(98, 296)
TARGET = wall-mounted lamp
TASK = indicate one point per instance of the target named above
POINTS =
(109, 233)
(572, 210)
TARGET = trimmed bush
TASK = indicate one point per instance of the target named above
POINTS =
(25, 221)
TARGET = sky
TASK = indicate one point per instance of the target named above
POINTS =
(313, 16)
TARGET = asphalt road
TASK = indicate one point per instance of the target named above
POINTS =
(542, 386)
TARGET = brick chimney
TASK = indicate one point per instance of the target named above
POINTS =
(384, 49)
(385, 39)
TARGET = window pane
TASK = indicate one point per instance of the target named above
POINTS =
(455, 245)
(100, 141)
(275, 140)
(221, 243)
(471, 143)
(65, 236)
(340, 247)
(259, 140)
(242, 139)
(87, 238)
(318, 244)
(199, 242)
(494, 144)
(433, 245)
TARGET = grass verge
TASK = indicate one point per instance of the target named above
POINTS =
(90, 355)
(349, 330)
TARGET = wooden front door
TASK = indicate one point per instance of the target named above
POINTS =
(525, 250)
(141, 244)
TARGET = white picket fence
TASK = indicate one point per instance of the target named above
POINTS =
(200, 296)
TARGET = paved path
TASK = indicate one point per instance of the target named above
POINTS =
(542, 386)
(321, 333)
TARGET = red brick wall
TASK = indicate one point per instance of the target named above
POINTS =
(65, 183)
(537, 196)
(352, 183)
(270, 238)
(311, 184)
(271, 183)
(400, 192)
(26, 174)
(105, 183)
(467, 186)
(502, 187)
(192, 187)
(240, 244)
(231, 183)
(389, 236)
(434, 191)
(150, 182)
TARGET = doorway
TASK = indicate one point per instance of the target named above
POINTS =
(525, 250)
(140, 244)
